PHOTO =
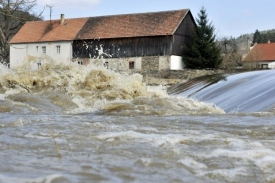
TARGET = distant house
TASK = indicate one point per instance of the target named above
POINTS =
(149, 41)
(261, 56)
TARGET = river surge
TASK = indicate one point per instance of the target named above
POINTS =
(81, 124)
(76, 89)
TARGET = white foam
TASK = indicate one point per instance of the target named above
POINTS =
(97, 88)
(192, 164)
(41, 136)
(18, 123)
(229, 175)
(3, 97)
(15, 91)
(266, 164)
(160, 90)
(243, 154)
(157, 140)
(47, 179)
(270, 178)
(146, 161)
(4, 68)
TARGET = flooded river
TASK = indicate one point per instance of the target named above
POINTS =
(88, 124)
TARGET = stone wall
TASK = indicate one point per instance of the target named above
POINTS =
(171, 77)
(180, 74)
(152, 74)
(150, 63)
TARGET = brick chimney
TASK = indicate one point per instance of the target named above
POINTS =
(62, 19)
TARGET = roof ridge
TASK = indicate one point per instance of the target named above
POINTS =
(187, 11)
(57, 19)
(99, 16)
(152, 12)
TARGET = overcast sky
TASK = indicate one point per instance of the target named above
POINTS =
(230, 17)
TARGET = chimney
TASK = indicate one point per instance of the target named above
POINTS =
(62, 19)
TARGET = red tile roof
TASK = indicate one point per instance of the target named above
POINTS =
(261, 52)
(41, 31)
(116, 26)
(132, 25)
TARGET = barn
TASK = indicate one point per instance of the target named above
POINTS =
(141, 41)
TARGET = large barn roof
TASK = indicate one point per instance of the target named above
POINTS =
(261, 52)
(132, 25)
(102, 27)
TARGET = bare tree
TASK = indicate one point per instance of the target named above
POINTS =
(229, 48)
(13, 15)
(224, 42)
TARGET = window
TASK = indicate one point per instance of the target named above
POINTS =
(44, 49)
(106, 64)
(131, 65)
(58, 49)
(39, 64)
(264, 66)
(80, 62)
(37, 48)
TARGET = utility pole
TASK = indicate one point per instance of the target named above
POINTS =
(51, 7)
(248, 44)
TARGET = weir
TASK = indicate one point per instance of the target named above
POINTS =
(245, 92)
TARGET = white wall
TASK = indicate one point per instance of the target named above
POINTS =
(176, 63)
(17, 54)
(271, 65)
(28, 55)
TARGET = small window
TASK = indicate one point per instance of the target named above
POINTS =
(106, 64)
(80, 62)
(58, 49)
(264, 66)
(131, 65)
(39, 64)
(44, 49)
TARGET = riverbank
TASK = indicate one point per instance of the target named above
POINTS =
(169, 77)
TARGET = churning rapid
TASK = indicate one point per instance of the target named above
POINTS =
(76, 89)
(89, 124)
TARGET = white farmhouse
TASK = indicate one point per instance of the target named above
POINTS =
(38, 42)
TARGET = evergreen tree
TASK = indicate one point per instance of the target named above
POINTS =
(257, 38)
(263, 37)
(203, 51)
